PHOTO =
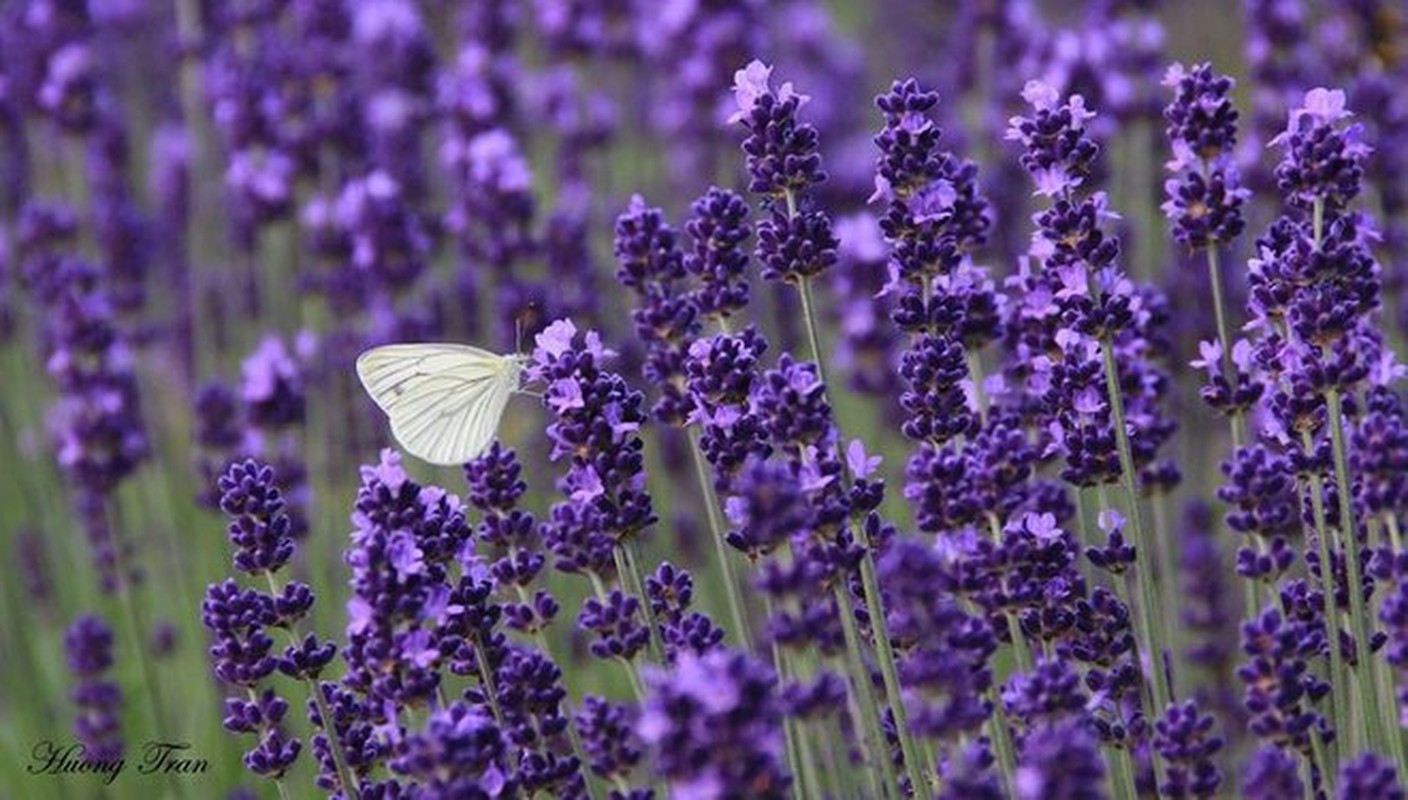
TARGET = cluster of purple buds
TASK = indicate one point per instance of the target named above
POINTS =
(495, 487)
(407, 615)
(596, 427)
(652, 265)
(795, 242)
(98, 727)
(713, 723)
(242, 619)
(1205, 196)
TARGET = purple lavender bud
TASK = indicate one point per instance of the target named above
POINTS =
(405, 616)
(259, 526)
(721, 372)
(1205, 196)
(495, 481)
(530, 697)
(1280, 689)
(1379, 453)
(943, 651)
(1060, 762)
(713, 726)
(1056, 150)
(1322, 162)
(237, 619)
(934, 369)
(1116, 555)
(307, 659)
(596, 422)
(1265, 501)
(718, 229)
(767, 508)
(1271, 774)
(617, 625)
(274, 754)
(1184, 738)
(98, 726)
(969, 774)
(495, 487)
(272, 389)
(651, 265)
(1049, 694)
(461, 752)
(935, 216)
(792, 402)
(781, 152)
(1368, 775)
(608, 738)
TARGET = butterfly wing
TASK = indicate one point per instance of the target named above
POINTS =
(444, 400)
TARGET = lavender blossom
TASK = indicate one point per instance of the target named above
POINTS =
(98, 727)
(712, 726)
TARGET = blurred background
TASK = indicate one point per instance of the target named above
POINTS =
(208, 208)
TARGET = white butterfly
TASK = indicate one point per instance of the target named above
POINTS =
(444, 400)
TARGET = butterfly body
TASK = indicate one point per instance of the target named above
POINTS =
(444, 400)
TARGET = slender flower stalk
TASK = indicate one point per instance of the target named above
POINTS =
(795, 245)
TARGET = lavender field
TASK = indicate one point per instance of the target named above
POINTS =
(971, 399)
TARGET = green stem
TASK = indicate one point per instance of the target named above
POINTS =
(721, 551)
(1143, 547)
(889, 672)
(874, 602)
(1339, 696)
(632, 581)
(1359, 618)
(1322, 763)
(877, 746)
(1228, 368)
(339, 756)
(1002, 741)
(1122, 785)
(797, 762)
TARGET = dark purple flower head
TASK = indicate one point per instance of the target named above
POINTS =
(461, 752)
(1202, 122)
(766, 509)
(406, 543)
(1280, 689)
(1185, 740)
(1050, 693)
(781, 151)
(1205, 195)
(1271, 774)
(651, 265)
(1057, 150)
(795, 247)
(596, 422)
(1060, 762)
(1323, 160)
(259, 525)
(791, 399)
(98, 726)
(273, 390)
(239, 618)
(718, 229)
(610, 743)
(713, 725)
(1261, 489)
(616, 622)
(1369, 775)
